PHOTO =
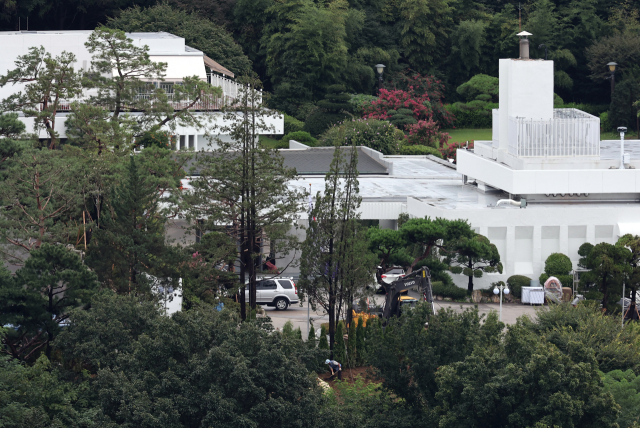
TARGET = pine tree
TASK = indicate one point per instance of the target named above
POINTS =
(339, 350)
(360, 346)
(311, 340)
(130, 241)
(323, 343)
(336, 264)
(245, 186)
(352, 352)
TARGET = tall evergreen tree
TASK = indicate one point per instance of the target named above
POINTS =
(39, 299)
(336, 263)
(130, 240)
(244, 188)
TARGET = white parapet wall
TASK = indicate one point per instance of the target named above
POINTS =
(538, 181)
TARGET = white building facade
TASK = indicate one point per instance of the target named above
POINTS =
(182, 61)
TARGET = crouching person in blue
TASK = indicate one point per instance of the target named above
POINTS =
(335, 367)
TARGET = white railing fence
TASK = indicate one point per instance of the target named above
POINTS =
(571, 133)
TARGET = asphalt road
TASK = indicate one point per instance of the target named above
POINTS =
(298, 315)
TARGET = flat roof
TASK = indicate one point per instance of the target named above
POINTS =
(317, 160)
(440, 186)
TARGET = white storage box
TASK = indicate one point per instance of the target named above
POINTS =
(533, 295)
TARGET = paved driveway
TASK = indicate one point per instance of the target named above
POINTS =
(298, 315)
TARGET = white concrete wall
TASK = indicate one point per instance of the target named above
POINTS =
(525, 237)
(526, 90)
(523, 182)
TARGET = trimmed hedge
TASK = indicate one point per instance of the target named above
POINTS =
(516, 282)
(300, 137)
(451, 291)
(291, 124)
(419, 151)
(464, 118)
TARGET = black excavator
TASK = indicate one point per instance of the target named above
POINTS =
(393, 300)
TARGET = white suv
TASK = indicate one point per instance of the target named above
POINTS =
(278, 292)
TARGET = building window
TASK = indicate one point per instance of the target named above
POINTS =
(191, 141)
(183, 142)
(167, 88)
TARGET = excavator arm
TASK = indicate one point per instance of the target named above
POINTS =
(420, 278)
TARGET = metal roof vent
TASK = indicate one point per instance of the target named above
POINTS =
(524, 44)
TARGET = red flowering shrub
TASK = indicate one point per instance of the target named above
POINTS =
(449, 151)
(426, 133)
(421, 94)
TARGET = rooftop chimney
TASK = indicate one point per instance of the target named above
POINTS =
(524, 44)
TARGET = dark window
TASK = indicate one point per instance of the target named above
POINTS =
(395, 272)
(183, 142)
(269, 285)
(191, 141)
(285, 283)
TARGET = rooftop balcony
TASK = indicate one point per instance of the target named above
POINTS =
(571, 133)
(230, 91)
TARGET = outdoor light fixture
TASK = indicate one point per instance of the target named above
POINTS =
(612, 69)
(622, 130)
(380, 69)
(500, 289)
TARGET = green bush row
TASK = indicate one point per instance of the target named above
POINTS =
(516, 282)
(419, 150)
(291, 124)
(299, 136)
(464, 118)
(451, 291)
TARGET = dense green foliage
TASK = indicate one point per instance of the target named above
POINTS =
(516, 282)
(376, 134)
(419, 150)
(299, 136)
(198, 32)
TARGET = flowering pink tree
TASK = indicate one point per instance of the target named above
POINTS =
(427, 133)
(421, 94)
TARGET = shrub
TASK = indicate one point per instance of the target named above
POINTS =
(557, 101)
(319, 121)
(605, 125)
(622, 112)
(478, 85)
(301, 137)
(334, 108)
(560, 266)
(450, 150)
(427, 133)
(360, 102)
(516, 282)
(379, 135)
(452, 291)
(419, 151)
(339, 349)
(423, 96)
(291, 124)
(466, 117)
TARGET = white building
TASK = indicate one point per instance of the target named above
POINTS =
(553, 159)
(182, 61)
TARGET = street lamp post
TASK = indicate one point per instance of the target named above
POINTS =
(622, 130)
(499, 290)
(612, 70)
(380, 69)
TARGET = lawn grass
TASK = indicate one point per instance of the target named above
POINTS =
(633, 135)
(268, 142)
(462, 135)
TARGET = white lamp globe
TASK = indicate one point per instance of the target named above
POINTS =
(496, 291)
(506, 291)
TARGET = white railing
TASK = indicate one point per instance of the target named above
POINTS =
(230, 91)
(571, 133)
